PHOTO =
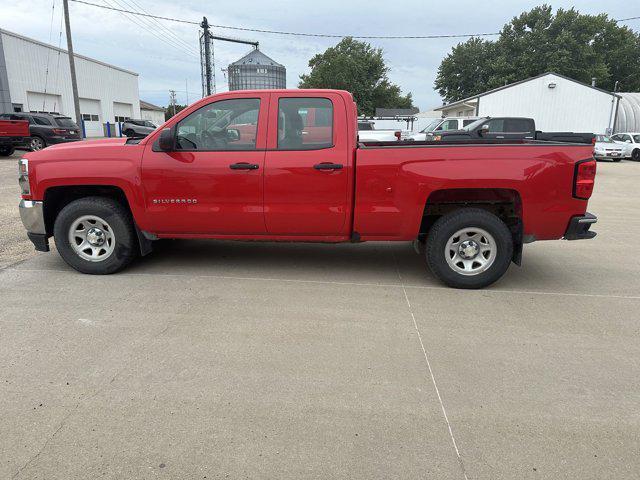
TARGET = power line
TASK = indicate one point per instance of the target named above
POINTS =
(321, 35)
(279, 32)
(153, 23)
(131, 17)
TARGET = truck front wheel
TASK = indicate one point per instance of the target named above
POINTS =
(469, 248)
(95, 235)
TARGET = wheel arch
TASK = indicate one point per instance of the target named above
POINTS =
(505, 203)
(57, 197)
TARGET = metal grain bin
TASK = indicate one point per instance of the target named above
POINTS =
(256, 71)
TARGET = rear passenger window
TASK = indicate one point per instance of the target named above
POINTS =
(305, 123)
(496, 125)
(41, 121)
(520, 125)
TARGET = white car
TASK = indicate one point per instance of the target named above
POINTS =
(442, 125)
(630, 144)
(368, 133)
(607, 149)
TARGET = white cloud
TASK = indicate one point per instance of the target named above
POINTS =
(113, 38)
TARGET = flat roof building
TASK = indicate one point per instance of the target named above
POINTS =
(35, 77)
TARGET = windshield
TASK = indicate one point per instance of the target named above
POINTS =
(432, 126)
(147, 123)
(603, 139)
(66, 122)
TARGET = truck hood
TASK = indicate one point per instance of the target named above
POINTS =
(89, 143)
(80, 149)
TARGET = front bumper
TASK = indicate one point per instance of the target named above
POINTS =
(32, 216)
(610, 156)
(578, 228)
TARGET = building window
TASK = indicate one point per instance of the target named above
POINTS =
(89, 117)
(122, 119)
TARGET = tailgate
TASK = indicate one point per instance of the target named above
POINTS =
(14, 128)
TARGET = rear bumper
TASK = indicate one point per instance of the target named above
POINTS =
(14, 142)
(578, 228)
(32, 216)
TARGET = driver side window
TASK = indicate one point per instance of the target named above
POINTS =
(224, 125)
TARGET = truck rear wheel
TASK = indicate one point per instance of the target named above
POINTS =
(469, 248)
(95, 235)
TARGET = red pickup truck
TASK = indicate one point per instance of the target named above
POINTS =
(13, 134)
(286, 165)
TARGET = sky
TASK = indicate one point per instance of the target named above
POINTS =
(142, 47)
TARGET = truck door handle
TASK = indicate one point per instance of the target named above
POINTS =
(327, 166)
(243, 166)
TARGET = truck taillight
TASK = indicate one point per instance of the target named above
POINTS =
(584, 179)
(398, 134)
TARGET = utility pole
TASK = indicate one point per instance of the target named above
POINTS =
(207, 54)
(207, 62)
(172, 100)
(72, 64)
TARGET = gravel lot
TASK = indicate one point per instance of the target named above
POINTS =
(240, 360)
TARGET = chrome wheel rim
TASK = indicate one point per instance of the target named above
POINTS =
(92, 238)
(36, 144)
(470, 251)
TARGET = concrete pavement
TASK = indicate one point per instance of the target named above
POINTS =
(245, 360)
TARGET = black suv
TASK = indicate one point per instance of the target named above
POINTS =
(47, 129)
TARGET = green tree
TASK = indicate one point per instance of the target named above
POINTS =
(360, 69)
(569, 43)
(168, 112)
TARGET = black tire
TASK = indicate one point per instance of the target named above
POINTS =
(6, 151)
(447, 226)
(129, 133)
(635, 155)
(40, 139)
(120, 222)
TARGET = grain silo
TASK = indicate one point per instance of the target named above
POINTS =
(256, 71)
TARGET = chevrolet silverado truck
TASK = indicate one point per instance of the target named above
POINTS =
(13, 134)
(286, 165)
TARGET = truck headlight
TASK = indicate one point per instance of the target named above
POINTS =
(23, 176)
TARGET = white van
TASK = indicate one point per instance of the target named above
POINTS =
(441, 125)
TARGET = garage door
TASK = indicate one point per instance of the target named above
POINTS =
(92, 117)
(43, 102)
(122, 111)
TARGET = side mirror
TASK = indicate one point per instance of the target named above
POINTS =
(627, 141)
(483, 129)
(233, 135)
(166, 142)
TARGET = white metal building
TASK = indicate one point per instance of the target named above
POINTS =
(628, 113)
(555, 102)
(151, 112)
(35, 76)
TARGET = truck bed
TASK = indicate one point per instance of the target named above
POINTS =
(395, 180)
